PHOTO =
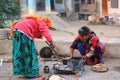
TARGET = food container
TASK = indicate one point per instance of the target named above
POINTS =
(56, 66)
(65, 61)
(46, 69)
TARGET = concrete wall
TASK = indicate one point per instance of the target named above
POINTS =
(5, 46)
(69, 7)
(31, 7)
(47, 6)
(24, 7)
(62, 48)
(88, 8)
(113, 50)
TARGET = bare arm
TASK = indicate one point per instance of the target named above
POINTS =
(71, 52)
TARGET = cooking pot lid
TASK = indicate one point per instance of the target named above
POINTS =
(46, 52)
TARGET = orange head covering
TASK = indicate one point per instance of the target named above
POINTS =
(40, 18)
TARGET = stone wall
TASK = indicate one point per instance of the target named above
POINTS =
(62, 48)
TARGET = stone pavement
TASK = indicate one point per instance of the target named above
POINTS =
(112, 74)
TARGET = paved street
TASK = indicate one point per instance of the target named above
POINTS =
(112, 74)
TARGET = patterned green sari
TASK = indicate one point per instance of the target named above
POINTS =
(24, 56)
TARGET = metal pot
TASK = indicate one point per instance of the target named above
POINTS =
(56, 66)
(46, 52)
(65, 61)
(46, 69)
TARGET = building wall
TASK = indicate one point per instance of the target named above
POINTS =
(24, 7)
(91, 8)
(88, 8)
(59, 5)
(29, 7)
(69, 7)
(113, 11)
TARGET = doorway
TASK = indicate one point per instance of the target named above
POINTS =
(52, 5)
(40, 5)
(104, 7)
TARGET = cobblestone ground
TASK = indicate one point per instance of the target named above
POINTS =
(112, 74)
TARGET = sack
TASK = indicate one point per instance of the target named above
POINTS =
(99, 68)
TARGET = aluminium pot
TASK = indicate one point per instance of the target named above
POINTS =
(46, 52)
(67, 60)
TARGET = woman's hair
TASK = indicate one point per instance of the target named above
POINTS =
(84, 31)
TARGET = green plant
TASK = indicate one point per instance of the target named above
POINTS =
(9, 12)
